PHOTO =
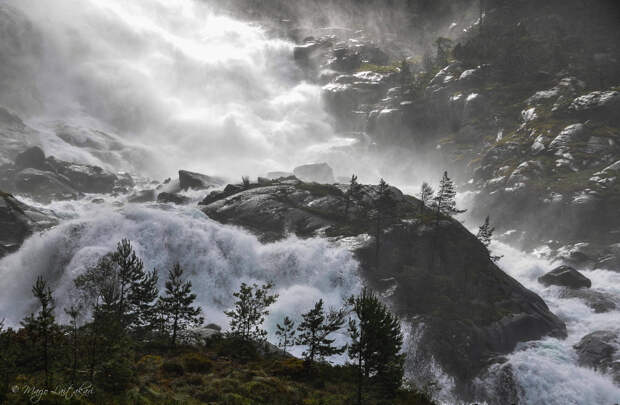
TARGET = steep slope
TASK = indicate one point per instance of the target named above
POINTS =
(433, 271)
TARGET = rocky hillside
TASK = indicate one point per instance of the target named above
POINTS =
(522, 104)
(433, 271)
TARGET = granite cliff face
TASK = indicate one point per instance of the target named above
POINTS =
(432, 271)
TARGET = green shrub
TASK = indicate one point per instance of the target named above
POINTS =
(197, 363)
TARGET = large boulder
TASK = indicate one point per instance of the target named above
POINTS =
(18, 221)
(565, 276)
(44, 185)
(599, 350)
(31, 158)
(85, 178)
(197, 181)
(316, 172)
(472, 311)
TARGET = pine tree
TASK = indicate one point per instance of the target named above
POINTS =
(315, 329)
(250, 310)
(98, 288)
(130, 273)
(286, 333)
(142, 298)
(445, 199)
(350, 194)
(485, 232)
(426, 196)
(376, 342)
(485, 235)
(177, 303)
(74, 312)
(43, 324)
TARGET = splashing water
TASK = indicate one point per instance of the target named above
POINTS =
(546, 371)
(217, 258)
(189, 87)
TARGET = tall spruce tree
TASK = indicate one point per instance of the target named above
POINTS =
(250, 310)
(43, 325)
(286, 333)
(445, 199)
(143, 300)
(376, 342)
(130, 273)
(176, 304)
(315, 329)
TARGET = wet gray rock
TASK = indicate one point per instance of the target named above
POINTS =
(596, 101)
(568, 137)
(44, 185)
(84, 178)
(483, 311)
(316, 172)
(565, 276)
(197, 181)
(31, 158)
(599, 350)
(172, 198)
(18, 221)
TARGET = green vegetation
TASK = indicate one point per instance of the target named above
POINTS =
(369, 67)
(129, 347)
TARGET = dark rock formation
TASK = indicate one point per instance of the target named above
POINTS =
(31, 158)
(599, 350)
(565, 276)
(437, 272)
(172, 198)
(18, 221)
(316, 172)
(197, 181)
(44, 185)
(47, 178)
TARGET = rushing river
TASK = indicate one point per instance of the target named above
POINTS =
(177, 86)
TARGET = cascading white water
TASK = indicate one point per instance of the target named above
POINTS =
(547, 372)
(185, 86)
(178, 86)
(217, 258)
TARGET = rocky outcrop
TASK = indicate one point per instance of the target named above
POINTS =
(599, 350)
(197, 181)
(434, 272)
(317, 172)
(18, 221)
(172, 198)
(47, 178)
(565, 276)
